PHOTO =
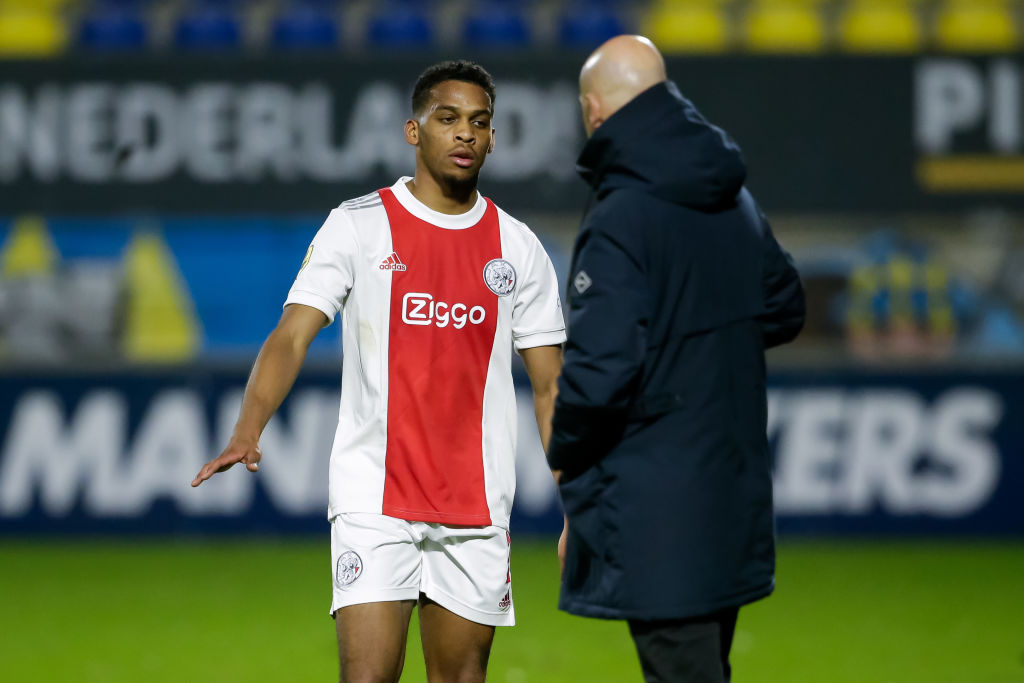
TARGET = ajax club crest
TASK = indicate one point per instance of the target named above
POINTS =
(350, 566)
(500, 276)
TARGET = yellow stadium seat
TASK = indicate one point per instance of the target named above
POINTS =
(785, 26)
(675, 4)
(976, 26)
(31, 32)
(880, 26)
(688, 26)
(47, 5)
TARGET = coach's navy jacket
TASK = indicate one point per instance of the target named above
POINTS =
(676, 289)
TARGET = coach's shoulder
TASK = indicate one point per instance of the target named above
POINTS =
(617, 214)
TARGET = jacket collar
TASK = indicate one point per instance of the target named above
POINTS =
(604, 146)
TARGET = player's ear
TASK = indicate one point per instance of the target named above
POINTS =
(412, 132)
(490, 145)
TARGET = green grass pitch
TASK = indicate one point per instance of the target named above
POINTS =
(256, 610)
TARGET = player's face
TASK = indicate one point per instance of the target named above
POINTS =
(454, 135)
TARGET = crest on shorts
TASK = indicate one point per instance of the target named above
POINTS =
(500, 276)
(350, 566)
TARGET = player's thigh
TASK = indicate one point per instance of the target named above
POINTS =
(467, 586)
(376, 562)
(371, 641)
(467, 570)
(455, 649)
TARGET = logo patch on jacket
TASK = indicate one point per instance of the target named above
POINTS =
(582, 282)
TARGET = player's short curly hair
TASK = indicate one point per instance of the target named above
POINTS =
(454, 70)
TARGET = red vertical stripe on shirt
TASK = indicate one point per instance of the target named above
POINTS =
(442, 328)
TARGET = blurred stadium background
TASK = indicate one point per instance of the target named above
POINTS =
(163, 165)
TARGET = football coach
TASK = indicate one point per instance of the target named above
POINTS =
(676, 289)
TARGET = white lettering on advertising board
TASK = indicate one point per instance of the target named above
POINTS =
(839, 451)
(848, 452)
(220, 132)
(956, 97)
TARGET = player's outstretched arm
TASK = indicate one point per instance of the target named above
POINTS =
(272, 376)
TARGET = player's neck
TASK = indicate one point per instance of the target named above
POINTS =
(448, 198)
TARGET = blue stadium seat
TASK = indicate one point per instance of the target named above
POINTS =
(209, 25)
(114, 25)
(306, 25)
(496, 24)
(401, 24)
(588, 23)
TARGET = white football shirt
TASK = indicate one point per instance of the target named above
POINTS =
(431, 307)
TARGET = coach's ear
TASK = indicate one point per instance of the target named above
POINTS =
(593, 112)
(412, 132)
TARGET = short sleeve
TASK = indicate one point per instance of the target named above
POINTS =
(537, 313)
(327, 272)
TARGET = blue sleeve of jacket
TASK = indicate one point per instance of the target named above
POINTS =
(604, 352)
(784, 307)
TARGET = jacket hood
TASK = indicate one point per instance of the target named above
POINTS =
(660, 143)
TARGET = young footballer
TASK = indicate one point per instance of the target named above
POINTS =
(435, 285)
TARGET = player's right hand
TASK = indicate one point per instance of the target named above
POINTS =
(238, 450)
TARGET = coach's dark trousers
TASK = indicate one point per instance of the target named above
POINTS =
(694, 650)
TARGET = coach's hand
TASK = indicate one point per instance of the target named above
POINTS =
(561, 546)
(238, 450)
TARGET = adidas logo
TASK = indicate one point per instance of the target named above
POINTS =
(392, 263)
(506, 601)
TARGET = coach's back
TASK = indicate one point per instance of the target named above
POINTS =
(677, 287)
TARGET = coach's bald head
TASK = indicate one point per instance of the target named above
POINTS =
(614, 74)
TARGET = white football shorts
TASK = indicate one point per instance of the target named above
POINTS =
(466, 570)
